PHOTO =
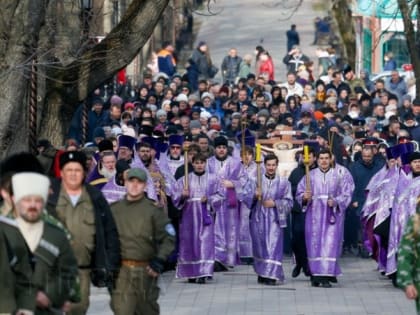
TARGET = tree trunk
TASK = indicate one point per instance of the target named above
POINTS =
(413, 41)
(20, 24)
(343, 18)
(67, 71)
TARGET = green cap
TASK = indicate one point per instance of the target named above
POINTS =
(138, 173)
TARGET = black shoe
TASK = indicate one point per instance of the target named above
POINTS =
(260, 279)
(354, 250)
(247, 260)
(201, 280)
(393, 278)
(270, 281)
(191, 280)
(306, 271)
(315, 282)
(332, 279)
(364, 253)
(218, 267)
(296, 271)
(326, 284)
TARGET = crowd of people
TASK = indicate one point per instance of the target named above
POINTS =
(170, 175)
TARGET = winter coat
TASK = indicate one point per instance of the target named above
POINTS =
(230, 68)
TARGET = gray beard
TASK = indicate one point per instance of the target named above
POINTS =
(108, 174)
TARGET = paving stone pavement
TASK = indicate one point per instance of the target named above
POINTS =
(243, 24)
(360, 291)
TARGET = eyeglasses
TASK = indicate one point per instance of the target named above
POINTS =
(175, 147)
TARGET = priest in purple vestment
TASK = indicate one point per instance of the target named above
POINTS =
(231, 181)
(174, 158)
(404, 207)
(273, 201)
(103, 171)
(115, 189)
(196, 229)
(245, 242)
(324, 199)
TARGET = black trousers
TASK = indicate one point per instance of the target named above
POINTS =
(352, 232)
(298, 238)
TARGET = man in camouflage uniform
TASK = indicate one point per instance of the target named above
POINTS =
(147, 238)
(16, 293)
(408, 272)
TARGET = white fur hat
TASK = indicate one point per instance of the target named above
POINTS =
(182, 98)
(30, 184)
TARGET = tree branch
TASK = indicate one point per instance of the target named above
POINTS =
(105, 59)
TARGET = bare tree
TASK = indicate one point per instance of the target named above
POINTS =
(342, 16)
(413, 37)
(47, 34)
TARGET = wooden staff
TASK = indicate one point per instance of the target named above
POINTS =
(243, 128)
(306, 162)
(258, 161)
(186, 167)
(330, 144)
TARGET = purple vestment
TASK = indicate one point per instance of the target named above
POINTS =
(196, 229)
(172, 164)
(324, 225)
(245, 242)
(155, 177)
(267, 226)
(376, 210)
(113, 192)
(95, 178)
(226, 207)
(372, 190)
(404, 207)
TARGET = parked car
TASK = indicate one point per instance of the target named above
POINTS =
(385, 75)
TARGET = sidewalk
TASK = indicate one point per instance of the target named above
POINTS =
(360, 291)
(245, 23)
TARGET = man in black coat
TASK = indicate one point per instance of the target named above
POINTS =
(362, 171)
(292, 37)
(298, 218)
(86, 214)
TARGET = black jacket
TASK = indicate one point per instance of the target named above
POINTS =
(294, 178)
(106, 259)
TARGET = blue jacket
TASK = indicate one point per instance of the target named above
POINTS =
(362, 174)
(166, 62)
(76, 125)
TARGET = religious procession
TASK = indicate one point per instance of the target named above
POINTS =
(207, 170)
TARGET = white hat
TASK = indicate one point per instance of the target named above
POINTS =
(205, 114)
(166, 102)
(391, 107)
(129, 131)
(30, 184)
(182, 98)
(207, 94)
(116, 131)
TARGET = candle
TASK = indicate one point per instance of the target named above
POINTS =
(257, 152)
(305, 154)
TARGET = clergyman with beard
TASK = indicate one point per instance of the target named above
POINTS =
(104, 171)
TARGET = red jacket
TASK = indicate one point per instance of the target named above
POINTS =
(267, 69)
